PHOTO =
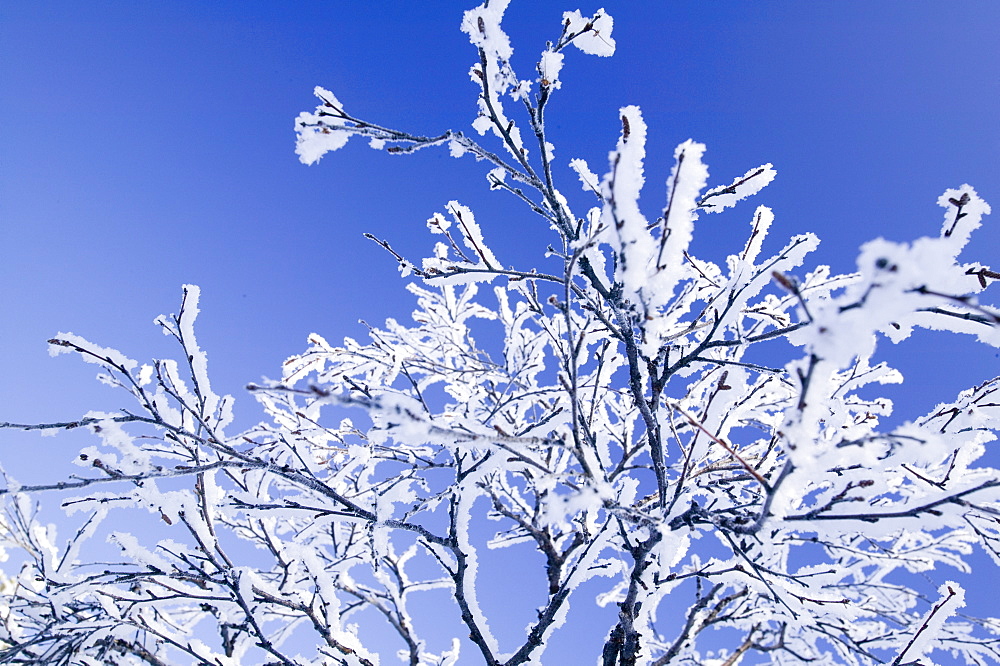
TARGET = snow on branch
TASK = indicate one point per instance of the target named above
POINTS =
(324, 130)
(590, 35)
(604, 417)
(750, 183)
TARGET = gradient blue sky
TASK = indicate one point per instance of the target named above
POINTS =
(145, 144)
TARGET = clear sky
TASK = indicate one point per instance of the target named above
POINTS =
(145, 144)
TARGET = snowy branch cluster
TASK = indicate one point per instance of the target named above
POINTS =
(625, 433)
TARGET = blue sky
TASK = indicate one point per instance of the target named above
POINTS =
(149, 144)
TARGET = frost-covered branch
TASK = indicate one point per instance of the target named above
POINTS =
(603, 415)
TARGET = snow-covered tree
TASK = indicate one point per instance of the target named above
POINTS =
(613, 417)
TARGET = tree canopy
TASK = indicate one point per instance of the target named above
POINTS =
(613, 416)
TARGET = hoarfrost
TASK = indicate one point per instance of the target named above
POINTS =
(593, 35)
(64, 343)
(549, 67)
(603, 409)
(750, 183)
(322, 131)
